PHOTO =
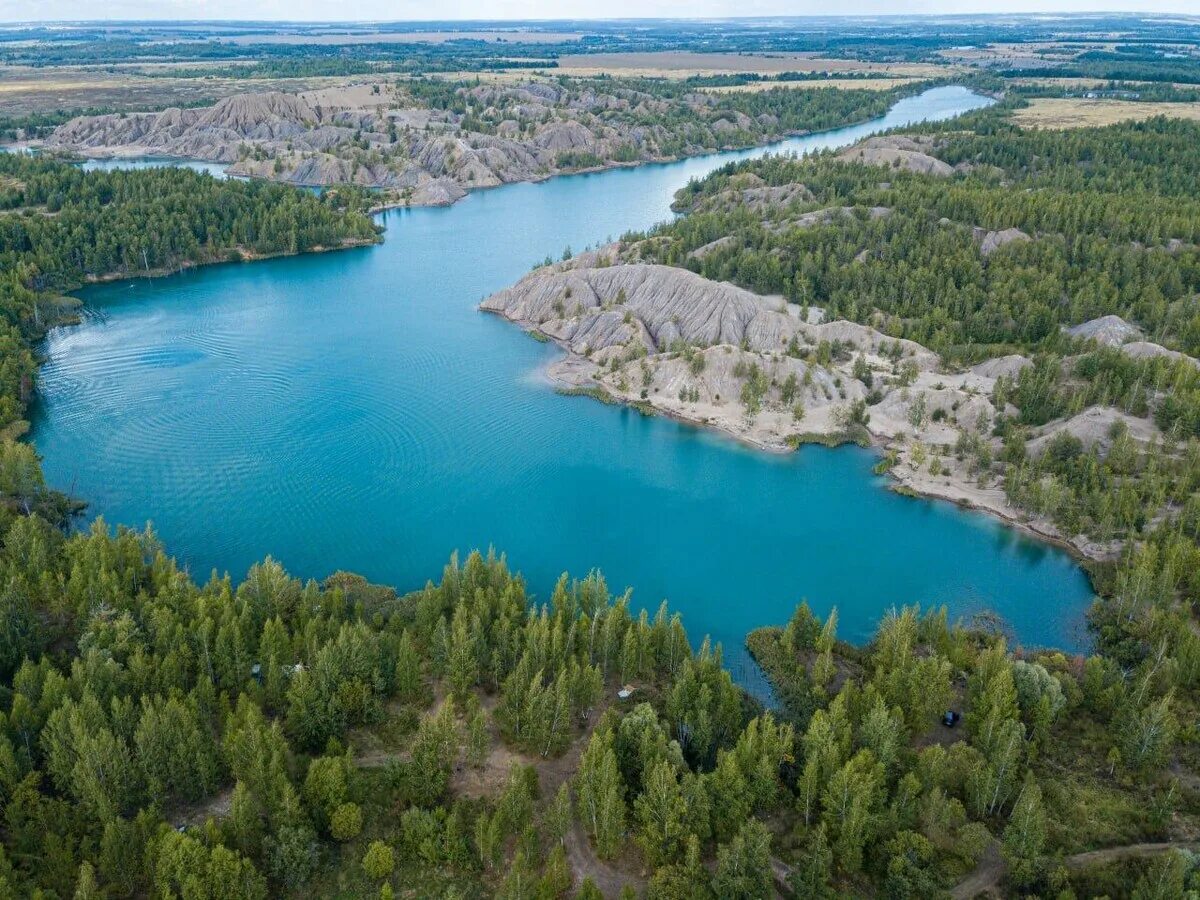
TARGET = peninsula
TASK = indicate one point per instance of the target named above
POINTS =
(777, 311)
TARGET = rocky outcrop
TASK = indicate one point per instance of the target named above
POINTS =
(1096, 427)
(668, 340)
(991, 241)
(826, 216)
(748, 191)
(689, 347)
(898, 152)
(1004, 366)
(214, 133)
(721, 243)
(594, 308)
(1111, 331)
(1148, 350)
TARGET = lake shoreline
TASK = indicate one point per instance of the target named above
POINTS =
(588, 170)
(391, 487)
(245, 256)
(135, 152)
(563, 380)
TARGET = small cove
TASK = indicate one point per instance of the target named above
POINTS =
(354, 410)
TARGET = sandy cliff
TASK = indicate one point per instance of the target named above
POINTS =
(380, 136)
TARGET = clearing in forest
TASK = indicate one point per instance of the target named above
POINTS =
(1079, 112)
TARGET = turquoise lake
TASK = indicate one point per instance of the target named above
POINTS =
(354, 410)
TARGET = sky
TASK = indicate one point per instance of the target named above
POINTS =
(399, 10)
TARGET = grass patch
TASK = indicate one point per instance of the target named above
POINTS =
(855, 434)
(1077, 112)
(596, 393)
(599, 393)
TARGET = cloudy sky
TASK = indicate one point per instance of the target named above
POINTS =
(396, 10)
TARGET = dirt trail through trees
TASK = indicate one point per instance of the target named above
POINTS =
(992, 868)
(987, 874)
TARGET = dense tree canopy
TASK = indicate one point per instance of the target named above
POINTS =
(1113, 213)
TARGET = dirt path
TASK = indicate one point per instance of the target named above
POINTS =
(585, 863)
(987, 874)
(215, 807)
(1109, 854)
(992, 868)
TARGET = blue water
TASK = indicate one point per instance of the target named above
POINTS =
(354, 410)
(217, 170)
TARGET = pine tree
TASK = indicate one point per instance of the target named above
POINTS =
(478, 739)
(761, 752)
(1025, 836)
(729, 796)
(244, 824)
(559, 815)
(488, 836)
(601, 794)
(521, 881)
(882, 732)
(86, 888)
(408, 671)
(660, 811)
(744, 864)
(850, 804)
(556, 718)
(462, 663)
(1146, 733)
(1165, 878)
(823, 668)
(811, 877)
(434, 750)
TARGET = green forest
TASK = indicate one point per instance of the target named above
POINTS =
(1115, 212)
(1108, 225)
(162, 736)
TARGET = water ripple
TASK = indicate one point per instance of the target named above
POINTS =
(356, 411)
